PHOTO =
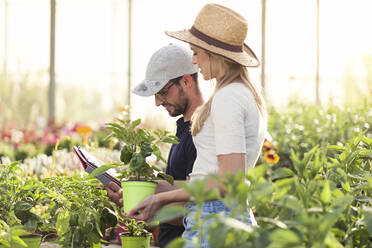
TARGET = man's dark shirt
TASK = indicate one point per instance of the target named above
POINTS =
(180, 162)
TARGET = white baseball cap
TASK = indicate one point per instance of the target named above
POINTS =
(167, 63)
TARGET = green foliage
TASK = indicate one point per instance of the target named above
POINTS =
(79, 210)
(72, 207)
(11, 235)
(10, 184)
(320, 203)
(318, 195)
(168, 213)
(17, 198)
(137, 145)
(176, 243)
(133, 227)
(301, 127)
(325, 201)
(16, 206)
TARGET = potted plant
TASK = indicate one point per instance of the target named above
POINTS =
(135, 234)
(138, 175)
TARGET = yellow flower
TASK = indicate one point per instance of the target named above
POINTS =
(267, 146)
(84, 130)
(271, 157)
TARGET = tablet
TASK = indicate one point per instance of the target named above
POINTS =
(89, 163)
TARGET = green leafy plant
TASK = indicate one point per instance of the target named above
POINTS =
(10, 183)
(132, 227)
(18, 198)
(138, 144)
(73, 208)
(17, 218)
(79, 210)
(324, 201)
(135, 233)
(300, 127)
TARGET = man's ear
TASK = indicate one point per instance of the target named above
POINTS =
(187, 81)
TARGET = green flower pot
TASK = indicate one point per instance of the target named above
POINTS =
(135, 191)
(135, 242)
(32, 241)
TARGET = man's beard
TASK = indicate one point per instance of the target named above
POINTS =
(181, 106)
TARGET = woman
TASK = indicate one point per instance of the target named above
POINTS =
(228, 130)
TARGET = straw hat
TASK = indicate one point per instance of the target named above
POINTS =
(222, 31)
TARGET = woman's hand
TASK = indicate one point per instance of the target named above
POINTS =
(146, 209)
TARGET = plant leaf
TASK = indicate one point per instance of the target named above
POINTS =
(325, 195)
(63, 222)
(102, 169)
(168, 213)
(282, 173)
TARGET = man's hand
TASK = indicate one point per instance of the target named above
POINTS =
(115, 194)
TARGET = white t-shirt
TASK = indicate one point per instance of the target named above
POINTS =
(234, 125)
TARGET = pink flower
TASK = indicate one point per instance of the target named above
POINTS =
(49, 137)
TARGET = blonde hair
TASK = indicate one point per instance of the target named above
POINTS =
(232, 72)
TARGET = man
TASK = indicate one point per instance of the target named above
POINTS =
(173, 79)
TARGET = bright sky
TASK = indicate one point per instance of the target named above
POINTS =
(91, 43)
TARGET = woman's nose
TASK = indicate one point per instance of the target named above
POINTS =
(193, 60)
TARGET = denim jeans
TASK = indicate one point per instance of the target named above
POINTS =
(208, 208)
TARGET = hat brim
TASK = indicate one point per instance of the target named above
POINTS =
(149, 88)
(245, 58)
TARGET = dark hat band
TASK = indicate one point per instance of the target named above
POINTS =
(212, 41)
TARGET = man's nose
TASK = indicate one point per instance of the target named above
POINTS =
(158, 101)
